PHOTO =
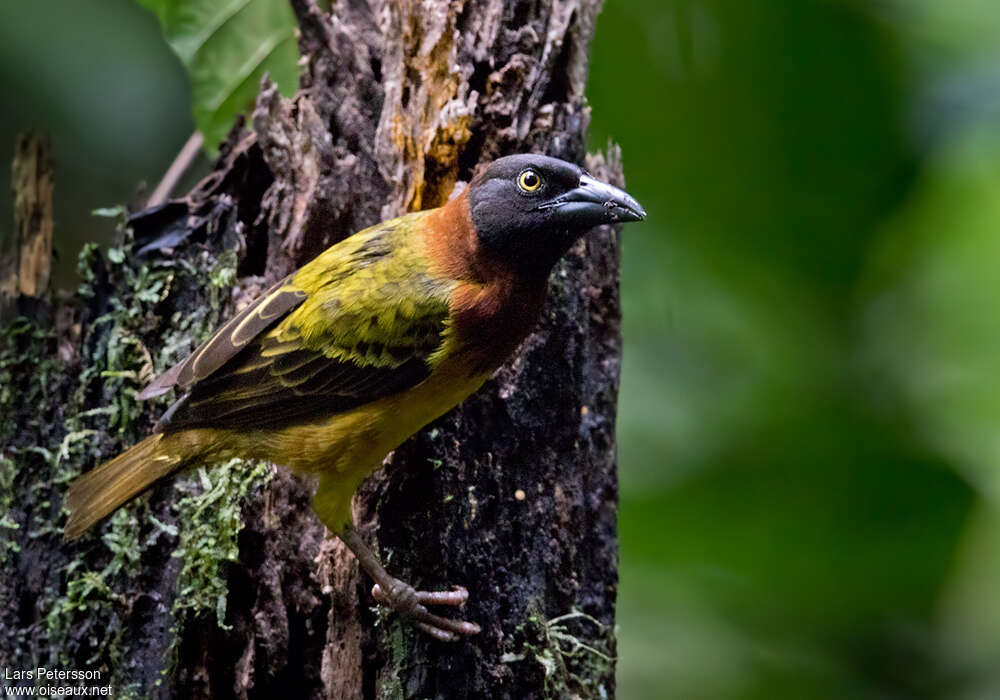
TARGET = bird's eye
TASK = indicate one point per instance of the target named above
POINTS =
(529, 180)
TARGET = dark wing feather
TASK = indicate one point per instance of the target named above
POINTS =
(263, 398)
(227, 342)
(277, 381)
(368, 328)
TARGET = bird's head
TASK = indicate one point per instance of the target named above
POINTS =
(528, 209)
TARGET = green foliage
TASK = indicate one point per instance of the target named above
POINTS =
(920, 280)
(226, 47)
(932, 333)
(809, 393)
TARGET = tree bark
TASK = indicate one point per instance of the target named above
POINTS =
(223, 583)
(26, 265)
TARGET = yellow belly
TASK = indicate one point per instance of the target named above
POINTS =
(361, 438)
(344, 449)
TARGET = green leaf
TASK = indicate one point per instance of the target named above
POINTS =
(932, 318)
(226, 46)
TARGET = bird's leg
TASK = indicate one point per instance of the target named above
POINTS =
(406, 600)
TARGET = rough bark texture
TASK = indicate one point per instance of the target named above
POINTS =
(25, 266)
(223, 583)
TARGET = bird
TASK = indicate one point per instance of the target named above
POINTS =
(338, 363)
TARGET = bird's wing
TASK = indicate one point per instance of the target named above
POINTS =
(230, 339)
(368, 327)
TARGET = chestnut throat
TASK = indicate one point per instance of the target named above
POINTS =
(498, 299)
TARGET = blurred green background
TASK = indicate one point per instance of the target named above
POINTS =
(808, 434)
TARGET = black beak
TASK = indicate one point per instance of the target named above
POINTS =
(593, 202)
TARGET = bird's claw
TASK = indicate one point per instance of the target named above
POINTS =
(410, 602)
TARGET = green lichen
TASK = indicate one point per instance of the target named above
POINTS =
(209, 521)
(93, 594)
(399, 661)
(8, 544)
(102, 572)
(24, 356)
(572, 650)
(221, 277)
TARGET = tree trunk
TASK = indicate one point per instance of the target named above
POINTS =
(223, 583)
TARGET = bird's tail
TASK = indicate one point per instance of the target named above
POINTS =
(98, 493)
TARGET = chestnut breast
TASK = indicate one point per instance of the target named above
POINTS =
(493, 306)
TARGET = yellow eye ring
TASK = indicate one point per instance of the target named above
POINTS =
(529, 180)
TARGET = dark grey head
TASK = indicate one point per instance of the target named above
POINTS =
(530, 208)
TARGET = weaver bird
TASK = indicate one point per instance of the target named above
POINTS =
(343, 360)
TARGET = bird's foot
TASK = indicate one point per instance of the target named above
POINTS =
(406, 600)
